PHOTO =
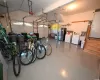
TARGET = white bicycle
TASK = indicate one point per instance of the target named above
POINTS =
(47, 45)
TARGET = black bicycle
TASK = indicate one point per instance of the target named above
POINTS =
(9, 51)
(26, 55)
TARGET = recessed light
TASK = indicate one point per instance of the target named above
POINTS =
(71, 6)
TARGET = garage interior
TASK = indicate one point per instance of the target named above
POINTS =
(69, 29)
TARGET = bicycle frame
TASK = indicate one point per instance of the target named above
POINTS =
(3, 34)
(12, 46)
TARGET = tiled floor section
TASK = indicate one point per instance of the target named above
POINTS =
(67, 62)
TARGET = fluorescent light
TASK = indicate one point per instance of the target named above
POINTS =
(28, 24)
(18, 23)
(42, 26)
(21, 23)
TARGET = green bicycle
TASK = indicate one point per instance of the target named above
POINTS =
(10, 50)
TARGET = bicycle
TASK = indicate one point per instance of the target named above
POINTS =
(47, 45)
(10, 49)
(38, 48)
(26, 55)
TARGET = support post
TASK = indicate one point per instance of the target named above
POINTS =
(37, 27)
(9, 19)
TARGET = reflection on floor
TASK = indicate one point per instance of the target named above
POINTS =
(67, 62)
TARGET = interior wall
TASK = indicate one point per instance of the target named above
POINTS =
(18, 29)
(95, 27)
(80, 26)
(43, 32)
(76, 27)
(17, 16)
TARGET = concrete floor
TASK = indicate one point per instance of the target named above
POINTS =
(67, 62)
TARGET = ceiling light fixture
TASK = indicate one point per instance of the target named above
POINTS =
(28, 24)
(41, 26)
(21, 23)
(71, 6)
(18, 23)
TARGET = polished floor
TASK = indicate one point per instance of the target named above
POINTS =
(67, 62)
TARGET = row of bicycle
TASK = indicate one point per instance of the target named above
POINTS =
(22, 49)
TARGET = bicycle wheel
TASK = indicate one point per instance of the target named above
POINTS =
(40, 52)
(26, 57)
(48, 49)
(16, 65)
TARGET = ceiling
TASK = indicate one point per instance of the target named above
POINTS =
(16, 5)
(80, 6)
(37, 5)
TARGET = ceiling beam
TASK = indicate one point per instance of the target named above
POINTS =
(55, 5)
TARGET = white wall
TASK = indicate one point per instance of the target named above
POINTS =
(43, 32)
(18, 29)
(81, 26)
(95, 28)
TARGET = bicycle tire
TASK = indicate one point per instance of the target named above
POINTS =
(16, 72)
(27, 55)
(43, 54)
(49, 53)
